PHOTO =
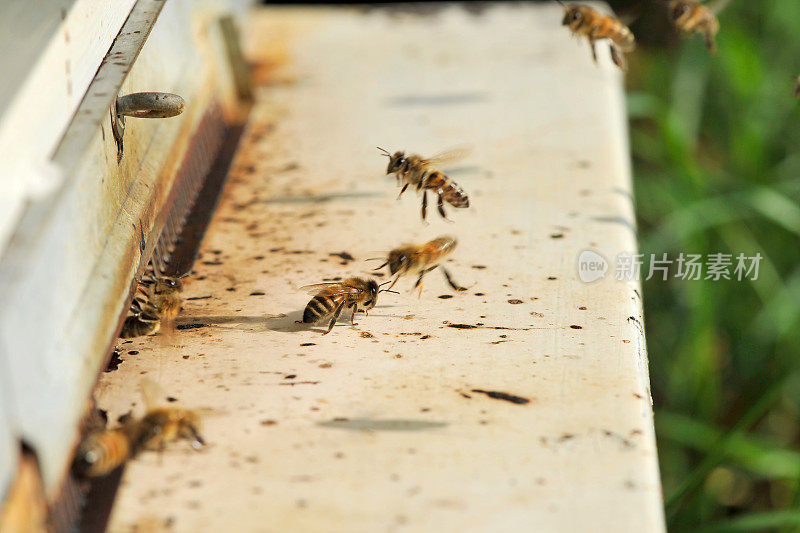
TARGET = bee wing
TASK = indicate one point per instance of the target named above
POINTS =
(715, 6)
(152, 393)
(449, 156)
(315, 288)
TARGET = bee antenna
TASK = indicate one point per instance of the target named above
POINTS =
(562, 3)
(384, 150)
(375, 259)
(384, 283)
(389, 290)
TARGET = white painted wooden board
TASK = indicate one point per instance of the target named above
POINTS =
(368, 428)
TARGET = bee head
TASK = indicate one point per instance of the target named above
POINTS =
(678, 9)
(372, 294)
(189, 425)
(574, 16)
(396, 161)
(398, 260)
(168, 284)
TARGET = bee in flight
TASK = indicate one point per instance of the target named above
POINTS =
(587, 22)
(693, 17)
(420, 259)
(417, 171)
(103, 450)
(356, 294)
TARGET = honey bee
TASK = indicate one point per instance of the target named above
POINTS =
(692, 17)
(158, 300)
(416, 170)
(164, 293)
(104, 450)
(357, 294)
(421, 259)
(587, 22)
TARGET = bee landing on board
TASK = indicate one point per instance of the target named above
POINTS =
(104, 450)
(355, 294)
(587, 22)
(421, 259)
(692, 17)
(417, 171)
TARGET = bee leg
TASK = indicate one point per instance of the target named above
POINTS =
(419, 283)
(617, 57)
(402, 191)
(380, 267)
(353, 316)
(594, 49)
(710, 44)
(393, 282)
(424, 204)
(456, 287)
(419, 280)
(440, 207)
(335, 318)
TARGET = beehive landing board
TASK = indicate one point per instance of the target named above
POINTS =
(377, 426)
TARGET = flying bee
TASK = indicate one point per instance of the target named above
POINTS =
(421, 259)
(357, 294)
(693, 17)
(587, 22)
(102, 451)
(417, 171)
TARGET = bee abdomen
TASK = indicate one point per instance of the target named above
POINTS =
(625, 39)
(102, 453)
(455, 195)
(134, 326)
(318, 308)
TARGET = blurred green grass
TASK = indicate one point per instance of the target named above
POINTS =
(716, 147)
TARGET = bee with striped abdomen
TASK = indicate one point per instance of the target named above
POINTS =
(157, 301)
(417, 171)
(104, 450)
(693, 17)
(355, 294)
(587, 22)
(421, 259)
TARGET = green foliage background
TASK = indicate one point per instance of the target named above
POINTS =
(716, 146)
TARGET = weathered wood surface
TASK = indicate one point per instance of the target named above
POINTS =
(377, 427)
